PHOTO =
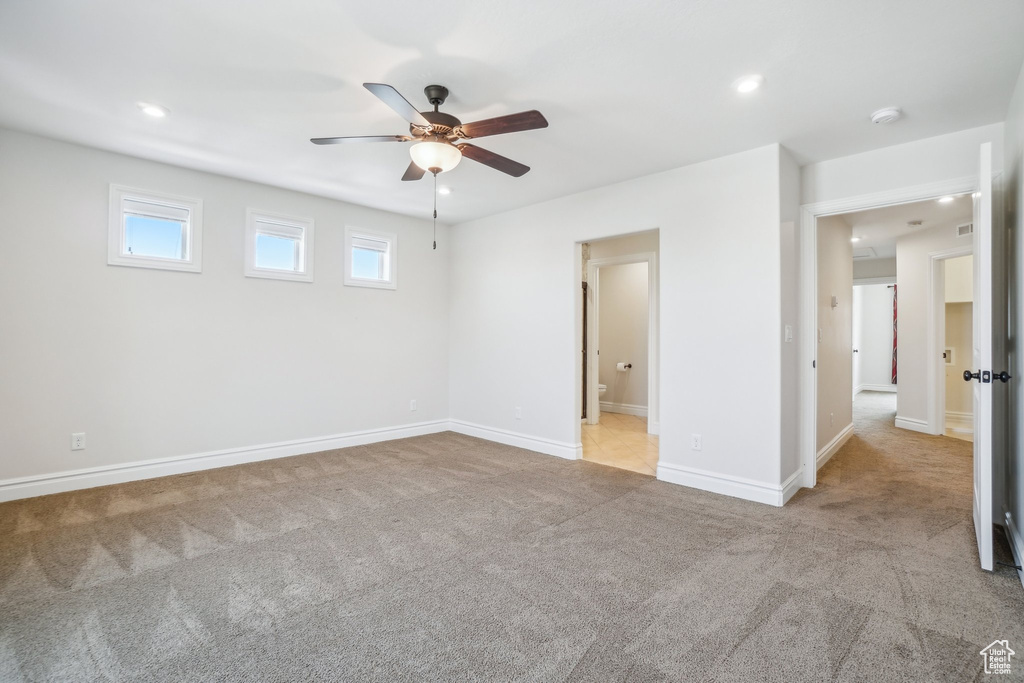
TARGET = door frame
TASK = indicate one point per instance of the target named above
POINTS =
(593, 328)
(807, 353)
(935, 328)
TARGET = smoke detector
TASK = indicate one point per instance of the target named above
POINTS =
(887, 115)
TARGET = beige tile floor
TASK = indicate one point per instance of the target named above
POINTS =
(621, 441)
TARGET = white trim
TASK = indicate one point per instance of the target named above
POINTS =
(623, 408)
(115, 230)
(883, 280)
(833, 446)
(73, 480)
(959, 422)
(793, 484)
(306, 227)
(728, 485)
(1016, 544)
(653, 427)
(891, 388)
(352, 233)
(809, 214)
(913, 424)
(561, 449)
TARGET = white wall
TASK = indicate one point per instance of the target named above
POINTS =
(625, 245)
(835, 346)
(913, 266)
(789, 266)
(959, 333)
(874, 268)
(1013, 194)
(873, 338)
(152, 364)
(622, 330)
(959, 279)
(512, 337)
(931, 160)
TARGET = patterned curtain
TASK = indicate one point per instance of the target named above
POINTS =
(894, 334)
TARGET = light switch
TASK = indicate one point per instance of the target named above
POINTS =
(789, 333)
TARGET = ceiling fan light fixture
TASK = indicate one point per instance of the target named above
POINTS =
(431, 154)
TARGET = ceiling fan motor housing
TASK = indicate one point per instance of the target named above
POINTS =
(436, 94)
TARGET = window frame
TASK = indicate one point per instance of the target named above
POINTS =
(352, 235)
(192, 238)
(305, 249)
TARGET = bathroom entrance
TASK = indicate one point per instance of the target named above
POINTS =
(618, 387)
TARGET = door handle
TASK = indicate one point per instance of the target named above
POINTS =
(968, 375)
(1003, 376)
(987, 377)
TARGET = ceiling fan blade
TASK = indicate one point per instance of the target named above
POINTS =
(525, 120)
(414, 172)
(360, 138)
(394, 99)
(495, 161)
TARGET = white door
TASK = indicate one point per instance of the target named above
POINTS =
(989, 359)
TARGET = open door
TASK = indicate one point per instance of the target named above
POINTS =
(989, 356)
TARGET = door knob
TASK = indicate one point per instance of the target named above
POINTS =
(1003, 376)
(968, 375)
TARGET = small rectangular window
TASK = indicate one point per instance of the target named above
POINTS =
(278, 247)
(154, 230)
(371, 259)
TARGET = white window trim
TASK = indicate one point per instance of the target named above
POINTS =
(115, 230)
(352, 235)
(305, 225)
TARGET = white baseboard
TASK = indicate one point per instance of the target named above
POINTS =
(792, 485)
(569, 451)
(913, 424)
(960, 422)
(1016, 544)
(728, 485)
(623, 408)
(653, 427)
(833, 446)
(891, 388)
(72, 480)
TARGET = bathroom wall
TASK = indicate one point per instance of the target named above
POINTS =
(623, 317)
(959, 283)
(959, 399)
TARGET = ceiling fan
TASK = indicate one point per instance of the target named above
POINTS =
(441, 138)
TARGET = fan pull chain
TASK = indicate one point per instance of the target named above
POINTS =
(435, 210)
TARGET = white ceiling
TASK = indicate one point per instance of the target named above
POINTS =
(629, 88)
(880, 228)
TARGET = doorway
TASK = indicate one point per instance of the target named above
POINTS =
(619, 360)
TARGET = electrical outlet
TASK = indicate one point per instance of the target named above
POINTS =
(78, 441)
(519, 413)
(412, 404)
(789, 333)
(695, 442)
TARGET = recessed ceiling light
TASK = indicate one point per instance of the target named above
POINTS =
(748, 83)
(444, 190)
(945, 200)
(886, 115)
(855, 239)
(154, 110)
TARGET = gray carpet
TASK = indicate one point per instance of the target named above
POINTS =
(449, 558)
